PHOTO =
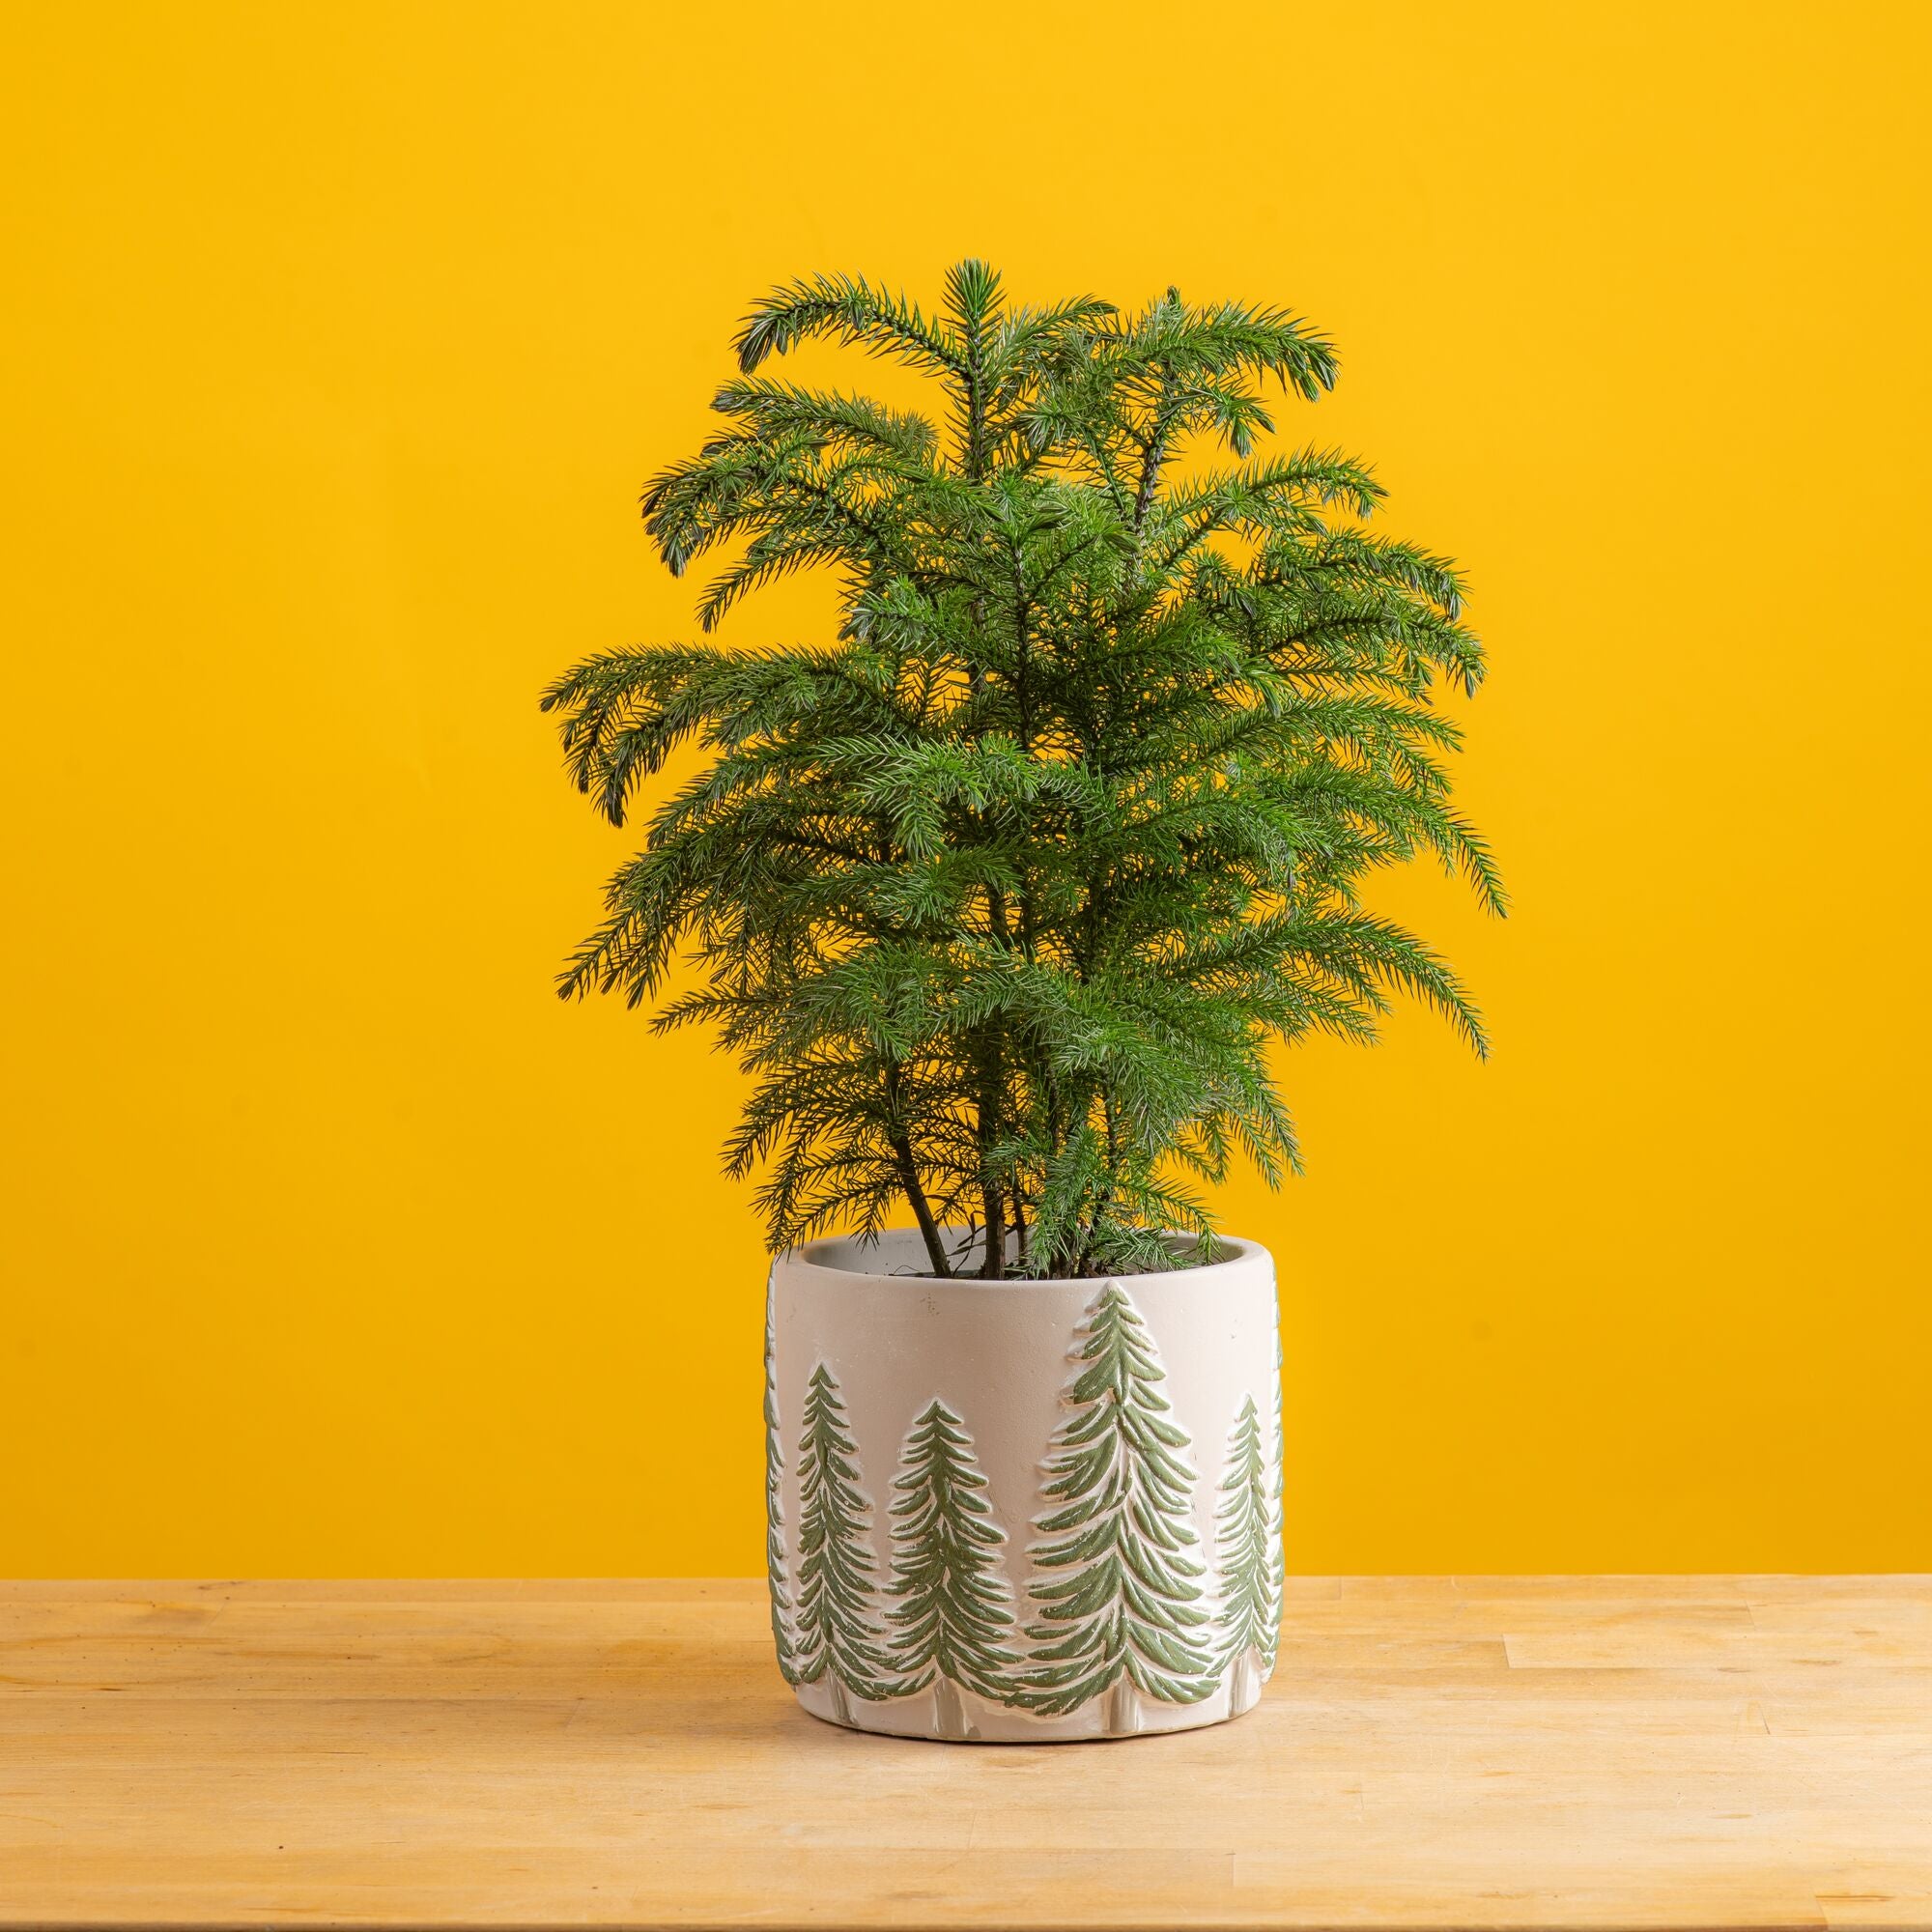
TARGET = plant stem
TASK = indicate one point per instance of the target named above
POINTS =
(901, 1143)
(993, 1267)
(921, 1208)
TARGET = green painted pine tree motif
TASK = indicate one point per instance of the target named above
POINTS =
(1280, 1517)
(838, 1618)
(953, 1612)
(775, 1542)
(1126, 1615)
(1249, 1531)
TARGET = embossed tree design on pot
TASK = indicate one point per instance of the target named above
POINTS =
(951, 1612)
(838, 1619)
(775, 1542)
(1126, 1615)
(1248, 1532)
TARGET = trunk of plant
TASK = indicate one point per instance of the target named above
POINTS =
(993, 1264)
(1123, 1708)
(993, 1267)
(921, 1208)
(908, 1171)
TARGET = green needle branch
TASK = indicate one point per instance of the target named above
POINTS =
(1006, 895)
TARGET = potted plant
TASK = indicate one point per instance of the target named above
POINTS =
(1004, 896)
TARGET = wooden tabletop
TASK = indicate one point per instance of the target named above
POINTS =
(1604, 1752)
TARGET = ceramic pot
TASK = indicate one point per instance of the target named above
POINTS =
(1022, 1511)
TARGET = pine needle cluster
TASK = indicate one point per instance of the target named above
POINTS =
(1004, 896)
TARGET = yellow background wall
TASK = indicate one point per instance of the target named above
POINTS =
(342, 341)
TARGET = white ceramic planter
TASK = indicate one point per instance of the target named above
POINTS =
(1022, 1511)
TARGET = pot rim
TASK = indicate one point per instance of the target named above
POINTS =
(827, 1256)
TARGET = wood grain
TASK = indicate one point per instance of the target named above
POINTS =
(1750, 1752)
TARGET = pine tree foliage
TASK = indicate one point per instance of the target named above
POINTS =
(953, 1613)
(837, 1623)
(777, 1580)
(1128, 1607)
(1005, 893)
(1248, 1533)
